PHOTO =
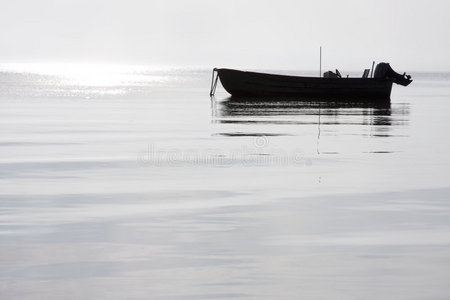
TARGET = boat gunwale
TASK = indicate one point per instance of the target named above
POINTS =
(296, 78)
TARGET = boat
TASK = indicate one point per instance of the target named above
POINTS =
(331, 86)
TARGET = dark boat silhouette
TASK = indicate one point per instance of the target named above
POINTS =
(331, 86)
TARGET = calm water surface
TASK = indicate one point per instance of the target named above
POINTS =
(130, 183)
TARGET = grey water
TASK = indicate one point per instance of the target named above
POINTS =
(131, 183)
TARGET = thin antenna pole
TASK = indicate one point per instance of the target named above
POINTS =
(320, 64)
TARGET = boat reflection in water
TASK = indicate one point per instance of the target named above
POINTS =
(339, 121)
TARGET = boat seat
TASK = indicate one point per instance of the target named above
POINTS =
(366, 73)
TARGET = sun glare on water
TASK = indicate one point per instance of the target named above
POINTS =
(104, 75)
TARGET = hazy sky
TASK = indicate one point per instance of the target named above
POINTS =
(412, 34)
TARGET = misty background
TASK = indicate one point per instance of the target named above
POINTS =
(285, 34)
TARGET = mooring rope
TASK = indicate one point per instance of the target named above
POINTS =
(212, 91)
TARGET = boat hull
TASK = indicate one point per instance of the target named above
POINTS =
(241, 83)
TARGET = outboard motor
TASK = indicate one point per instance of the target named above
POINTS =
(384, 70)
